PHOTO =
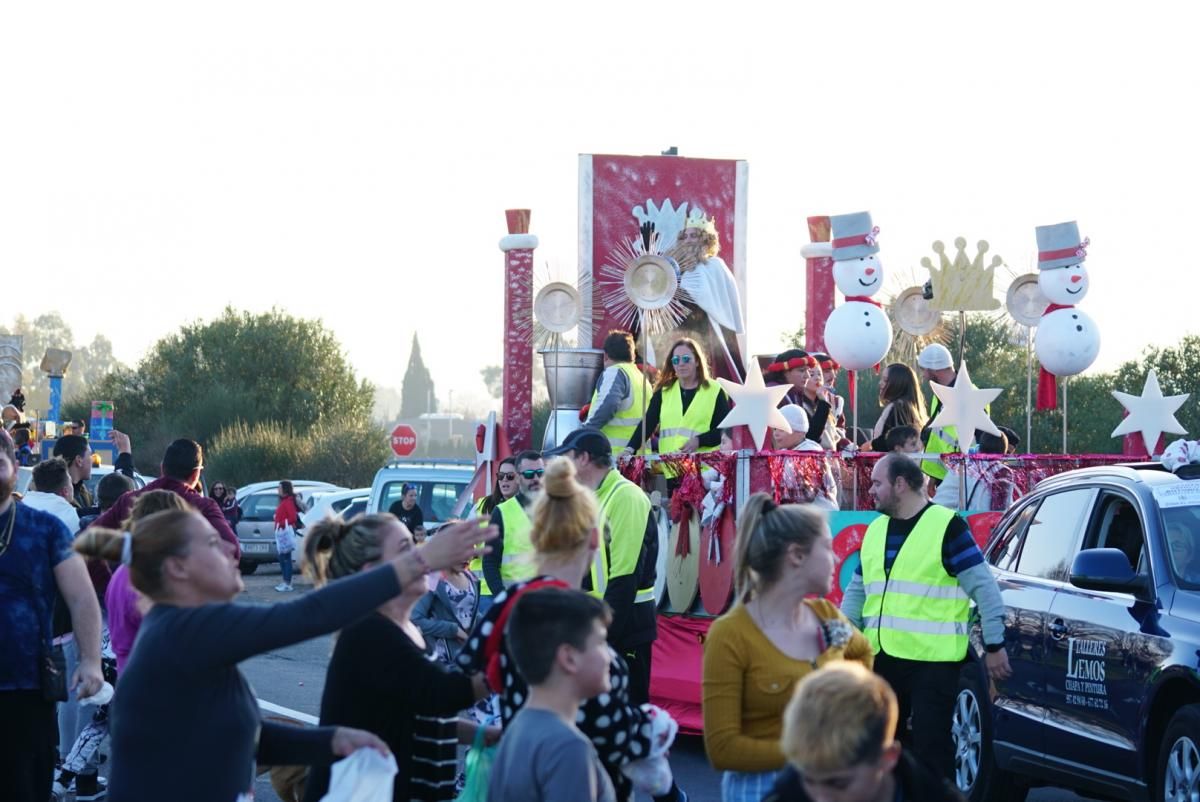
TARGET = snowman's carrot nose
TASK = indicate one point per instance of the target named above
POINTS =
(1076, 279)
(870, 271)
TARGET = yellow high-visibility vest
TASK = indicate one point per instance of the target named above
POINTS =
(623, 424)
(624, 509)
(676, 426)
(517, 563)
(916, 611)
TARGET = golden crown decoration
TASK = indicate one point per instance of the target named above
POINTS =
(963, 285)
(697, 219)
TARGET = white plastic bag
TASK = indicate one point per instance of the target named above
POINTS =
(285, 538)
(364, 776)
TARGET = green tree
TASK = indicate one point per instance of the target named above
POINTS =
(417, 395)
(259, 368)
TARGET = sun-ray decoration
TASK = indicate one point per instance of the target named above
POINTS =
(556, 310)
(640, 288)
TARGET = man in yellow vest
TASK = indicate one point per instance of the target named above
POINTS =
(620, 394)
(623, 570)
(937, 365)
(920, 569)
(512, 556)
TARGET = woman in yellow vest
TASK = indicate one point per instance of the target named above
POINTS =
(506, 487)
(687, 406)
(779, 631)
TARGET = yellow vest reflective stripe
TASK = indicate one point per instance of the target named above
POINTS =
(476, 564)
(677, 426)
(518, 560)
(623, 424)
(620, 529)
(916, 611)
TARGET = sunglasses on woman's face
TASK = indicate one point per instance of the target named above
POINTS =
(506, 477)
(532, 472)
(681, 360)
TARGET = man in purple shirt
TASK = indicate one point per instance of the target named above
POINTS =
(182, 465)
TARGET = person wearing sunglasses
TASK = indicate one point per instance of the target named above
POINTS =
(839, 735)
(506, 487)
(620, 394)
(686, 408)
(512, 556)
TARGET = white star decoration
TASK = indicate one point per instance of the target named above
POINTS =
(757, 406)
(1151, 413)
(964, 406)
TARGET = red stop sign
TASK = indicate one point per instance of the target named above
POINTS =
(404, 440)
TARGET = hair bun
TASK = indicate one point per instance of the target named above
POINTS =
(559, 480)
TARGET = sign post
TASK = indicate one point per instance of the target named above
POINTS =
(403, 440)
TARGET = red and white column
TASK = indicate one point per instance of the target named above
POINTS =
(518, 249)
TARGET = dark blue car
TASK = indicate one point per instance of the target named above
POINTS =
(1100, 573)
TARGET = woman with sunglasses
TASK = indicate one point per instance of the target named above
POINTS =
(686, 407)
(227, 498)
(506, 487)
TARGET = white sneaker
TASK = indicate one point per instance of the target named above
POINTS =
(283, 587)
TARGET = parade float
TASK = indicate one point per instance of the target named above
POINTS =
(635, 274)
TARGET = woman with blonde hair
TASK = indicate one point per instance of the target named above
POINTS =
(565, 536)
(687, 406)
(776, 634)
(189, 574)
(382, 677)
(902, 402)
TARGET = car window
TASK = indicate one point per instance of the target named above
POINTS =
(1003, 553)
(1182, 526)
(442, 496)
(355, 508)
(1052, 537)
(260, 506)
(1117, 526)
(340, 504)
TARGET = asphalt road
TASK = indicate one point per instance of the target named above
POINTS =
(294, 677)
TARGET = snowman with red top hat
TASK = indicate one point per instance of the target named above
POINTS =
(858, 333)
(1068, 340)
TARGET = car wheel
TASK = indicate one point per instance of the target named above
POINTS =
(247, 568)
(1179, 756)
(975, 771)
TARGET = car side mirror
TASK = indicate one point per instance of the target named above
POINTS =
(1106, 569)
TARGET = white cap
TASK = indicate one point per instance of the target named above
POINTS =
(935, 356)
(796, 417)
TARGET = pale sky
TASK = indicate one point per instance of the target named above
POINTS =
(353, 161)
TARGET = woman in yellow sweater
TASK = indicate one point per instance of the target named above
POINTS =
(774, 636)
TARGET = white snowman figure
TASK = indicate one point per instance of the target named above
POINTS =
(858, 333)
(1068, 340)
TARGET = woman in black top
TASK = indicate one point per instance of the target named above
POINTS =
(902, 401)
(185, 718)
(381, 677)
(409, 512)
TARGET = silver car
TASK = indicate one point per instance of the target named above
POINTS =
(256, 529)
